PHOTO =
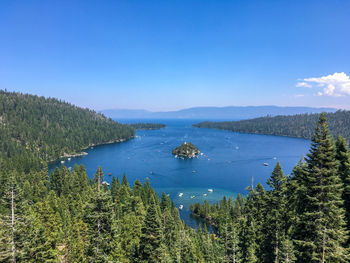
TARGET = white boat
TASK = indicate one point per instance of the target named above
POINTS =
(175, 156)
(181, 207)
(181, 194)
(202, 153)
(62, 161)
(210, 190)
(192, 196)
(204, 195)
(193, 171)
(275, 158)
(69, 159)
(266, 164)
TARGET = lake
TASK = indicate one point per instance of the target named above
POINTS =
(229, 162)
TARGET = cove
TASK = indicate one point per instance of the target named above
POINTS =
(228, 164)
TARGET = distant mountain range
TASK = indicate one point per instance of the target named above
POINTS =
(214, 113)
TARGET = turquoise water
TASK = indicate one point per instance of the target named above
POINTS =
(228, 164)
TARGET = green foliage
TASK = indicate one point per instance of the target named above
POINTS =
(34, 128)
(65, 217)
(298, 219)
(301, 125)
(186, 150)
(147, 126)
(322, 219)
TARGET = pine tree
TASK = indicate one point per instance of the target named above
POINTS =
(248, 235)
(321, 226)
(233, 251)
(343, 156)
(151, 234)
(57, 181)
(12, 221)
(277, 217)
(98, 178)
(114, 188)
(101, 221)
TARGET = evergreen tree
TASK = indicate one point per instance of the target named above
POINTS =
(249, 232)
(233, 251)
(101, 222)
(114, 188)
(322, 225)
(276, 221)
(151, 234)
(12, 221)
(343, 156)
(98, 178)
(57, 181)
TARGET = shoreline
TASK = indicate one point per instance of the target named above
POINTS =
(83, 153)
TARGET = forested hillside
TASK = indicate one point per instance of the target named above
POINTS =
(71, 219)
(300, 218)
(66, 217)
(49, 128)
(302, 125)
(147, 126)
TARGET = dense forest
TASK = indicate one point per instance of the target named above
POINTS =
(301, 218)
(147, 126)
(44, 128)
(66, 217)
(301, 125)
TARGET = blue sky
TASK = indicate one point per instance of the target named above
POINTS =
(168, 55)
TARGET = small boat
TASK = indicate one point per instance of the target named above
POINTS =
(275, 158)
(62, 162)
(193, 171)
(266, 164)
(150, 172)
(237, 147)
(204, 195)
(69, 159)
(210, 190)
(192, 196)
(109, 174)
(181, 194)
(202, 153)
(181, 207)
(175, 156)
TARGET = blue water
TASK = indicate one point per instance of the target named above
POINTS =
(228, 164)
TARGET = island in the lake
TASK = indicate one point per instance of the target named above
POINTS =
(147, 126)
(186, 150)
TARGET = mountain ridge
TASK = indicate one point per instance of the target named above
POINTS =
(227, 112)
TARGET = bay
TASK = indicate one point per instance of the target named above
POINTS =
(229, 163)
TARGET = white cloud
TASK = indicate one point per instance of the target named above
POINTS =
(303, 85)
(335, 85)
